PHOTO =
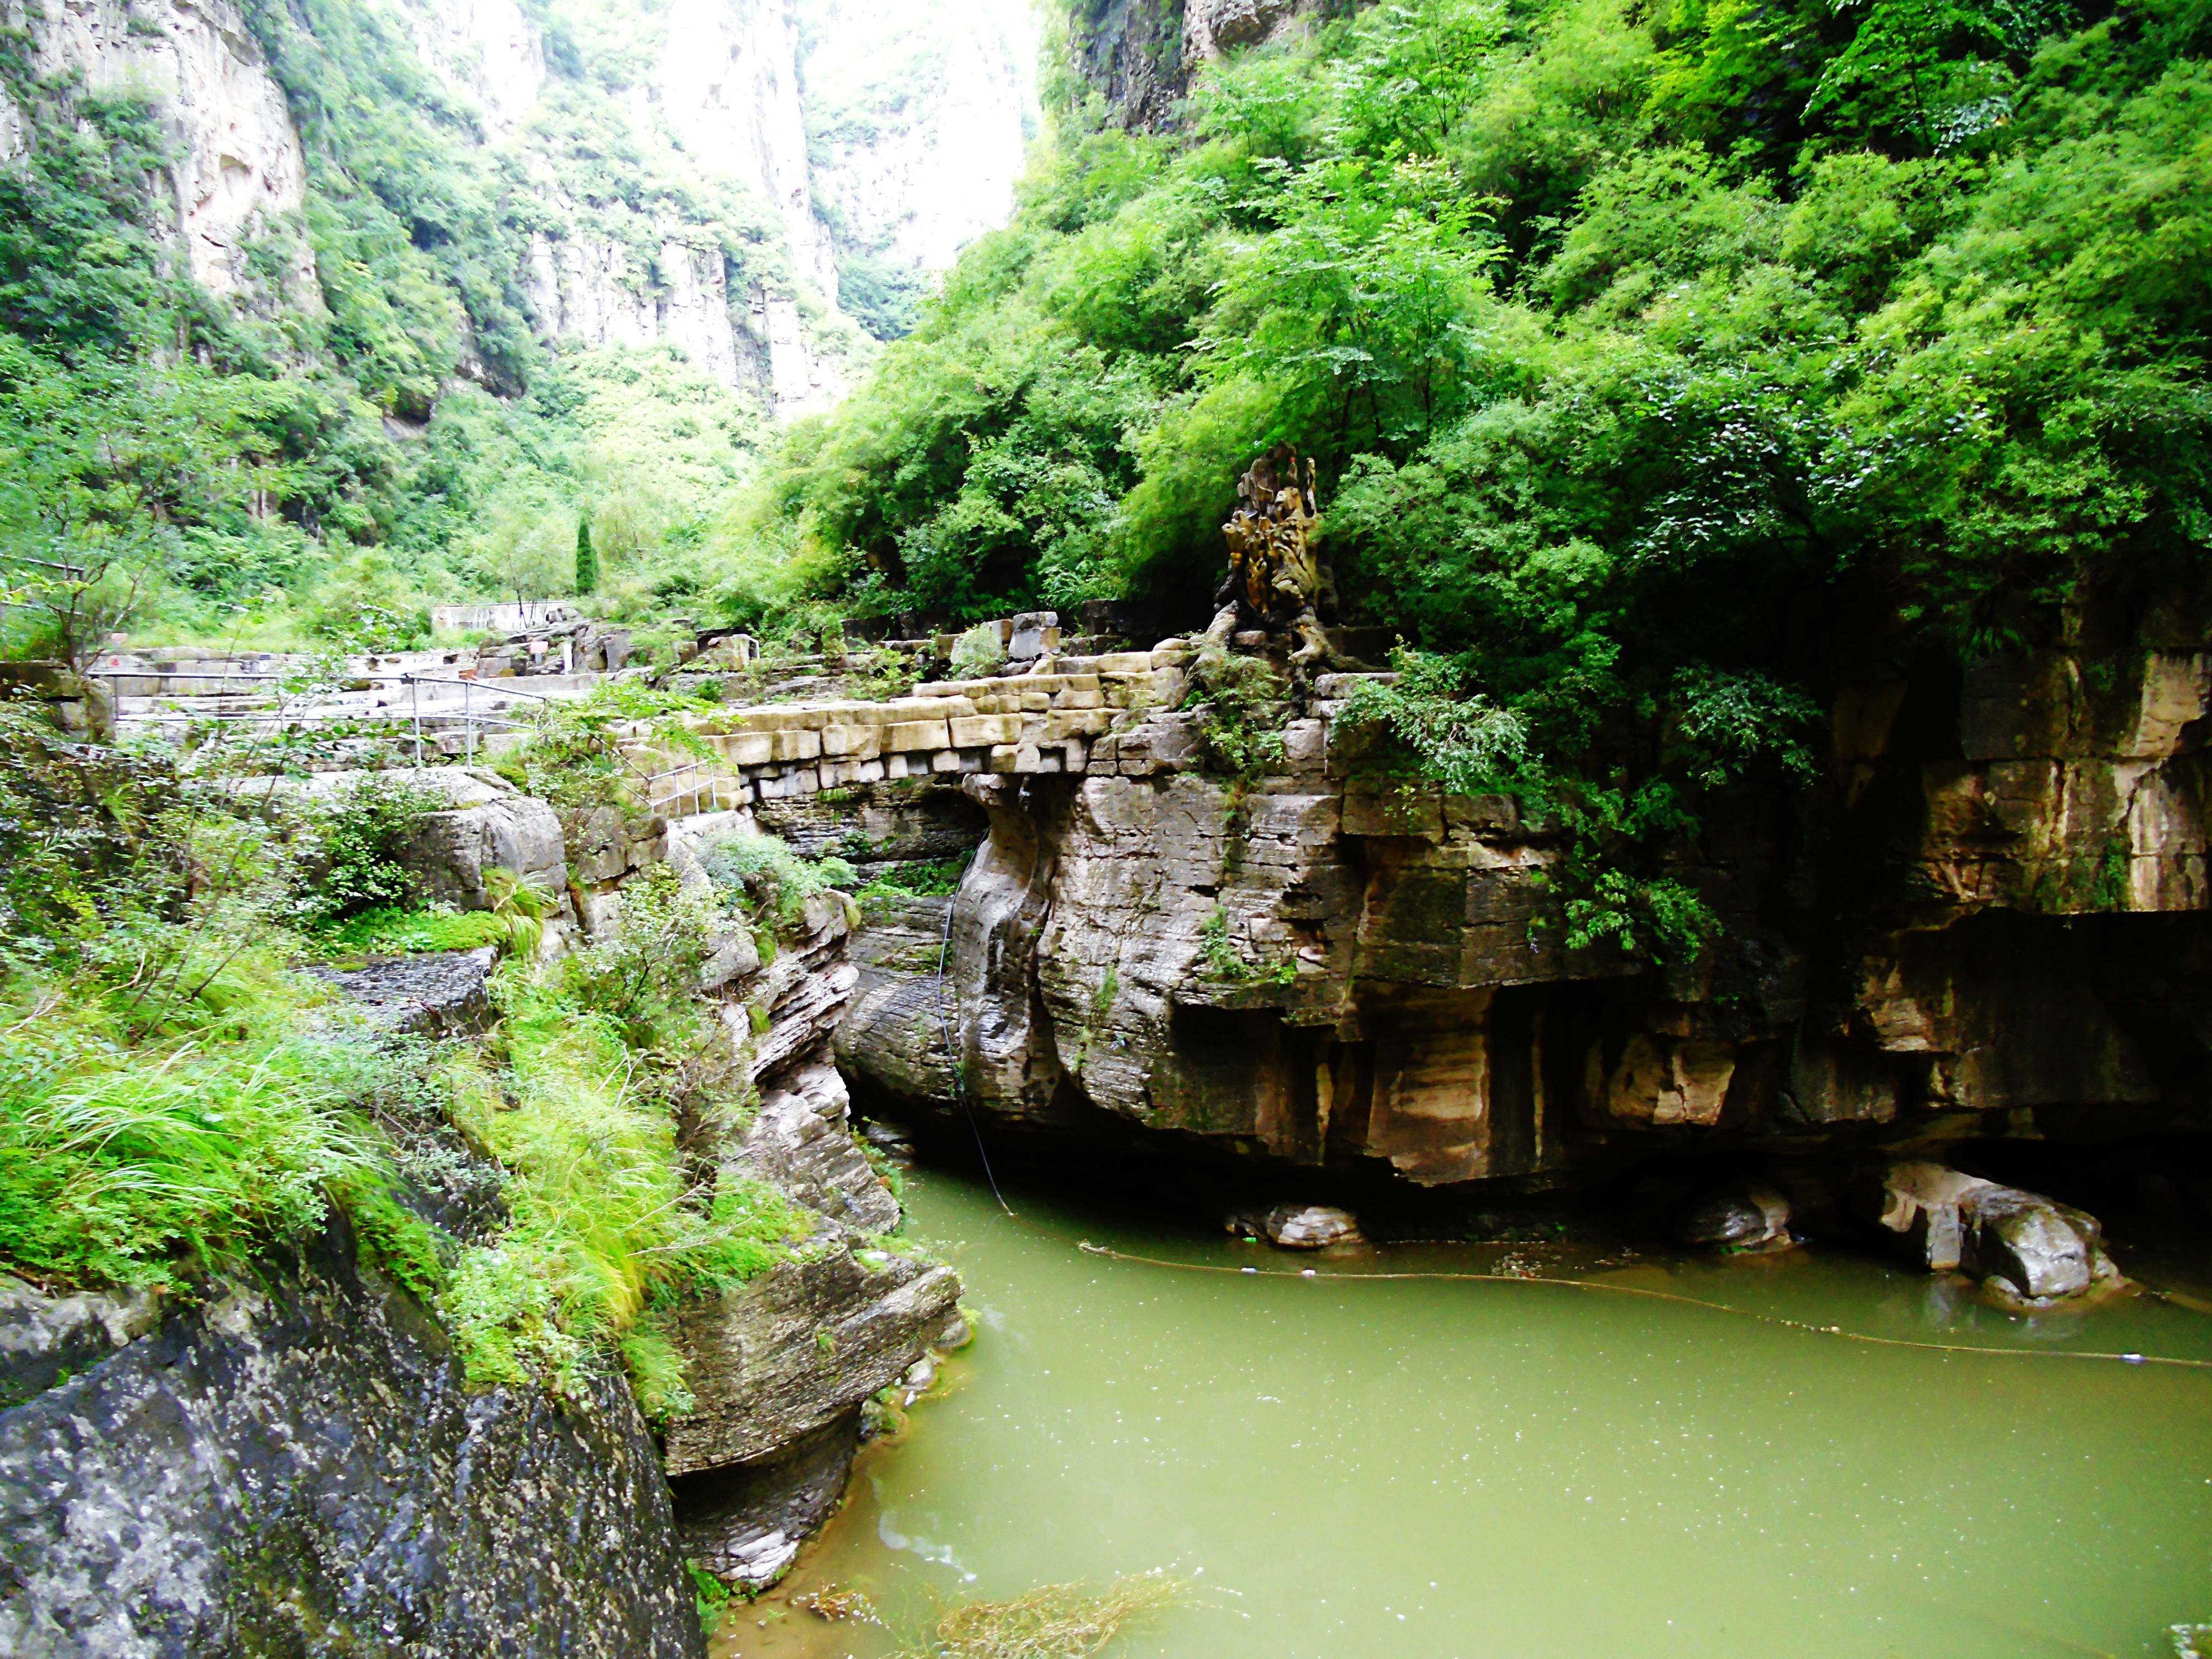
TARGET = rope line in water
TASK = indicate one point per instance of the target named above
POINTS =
(968, 1110)
(1780, 1320)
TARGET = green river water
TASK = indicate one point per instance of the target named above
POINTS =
(1358, 1468)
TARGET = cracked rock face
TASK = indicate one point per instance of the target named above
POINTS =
(298, 1468)
(1988, 918)
(783, 1354)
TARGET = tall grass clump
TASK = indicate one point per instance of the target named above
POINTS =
(136, 1167)
(605, 1059)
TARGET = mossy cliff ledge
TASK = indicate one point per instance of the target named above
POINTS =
(1983, 919)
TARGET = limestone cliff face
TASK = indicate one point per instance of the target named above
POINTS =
(239, 170)
(719, 94)
(1137, 56)
(489, 51)
(921, 115)
(1990, 919)
(1130, 53)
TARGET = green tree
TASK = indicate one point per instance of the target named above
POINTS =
(587, 561)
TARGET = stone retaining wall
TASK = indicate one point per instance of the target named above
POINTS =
(1043, 721)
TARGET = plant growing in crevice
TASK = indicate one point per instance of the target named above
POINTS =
(763, 876)
(1222, 959)
(1239, 703)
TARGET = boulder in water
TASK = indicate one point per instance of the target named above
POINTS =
(2028, 1250)
(1310, 1226)
(1756, 1218)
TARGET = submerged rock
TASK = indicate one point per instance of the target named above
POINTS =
(2024, 1247)
(1310, 1226)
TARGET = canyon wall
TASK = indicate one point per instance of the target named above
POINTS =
(1137, 56)
(1988, 919)
(921, 116)
(660, 163)
(239, 172)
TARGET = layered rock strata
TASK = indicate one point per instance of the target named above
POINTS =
(1988, 920)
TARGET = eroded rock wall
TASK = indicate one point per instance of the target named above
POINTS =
(239, 173)
(1989, 919)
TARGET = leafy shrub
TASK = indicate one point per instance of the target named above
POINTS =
(978, 653)
(358, 838)
(1457, 736)
(1240, 698)
(761, 873)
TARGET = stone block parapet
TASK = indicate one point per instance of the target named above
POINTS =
(1047, 720)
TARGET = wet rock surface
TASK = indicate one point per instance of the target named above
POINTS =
(1309, 1226)
(296, 1467)
(443, 993)
(2024, 1248)
(1756, 1217)
(45, 1338)
(745, 1523)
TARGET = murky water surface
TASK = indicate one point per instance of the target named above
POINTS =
(1360, 1467)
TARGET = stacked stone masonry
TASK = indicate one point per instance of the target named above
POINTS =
(1045, 721)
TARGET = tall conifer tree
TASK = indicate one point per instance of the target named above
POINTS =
(587, 561)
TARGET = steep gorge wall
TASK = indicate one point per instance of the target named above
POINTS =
(921, 115)
(1990, 920)
(623, 261)
(239, 171)
(1137, 56)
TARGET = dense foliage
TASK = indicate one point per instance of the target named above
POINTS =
(369, 423)
(1652, 357)
(176, 1096)
(1591, 318)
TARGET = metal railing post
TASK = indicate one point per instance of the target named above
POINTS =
(415, 697)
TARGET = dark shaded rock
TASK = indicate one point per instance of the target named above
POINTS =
(44, 1339)
(297, 1467)
(745, 1523)
(893, 1142)
(1758, 1217)
(1722, 1221)
(441, 994)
